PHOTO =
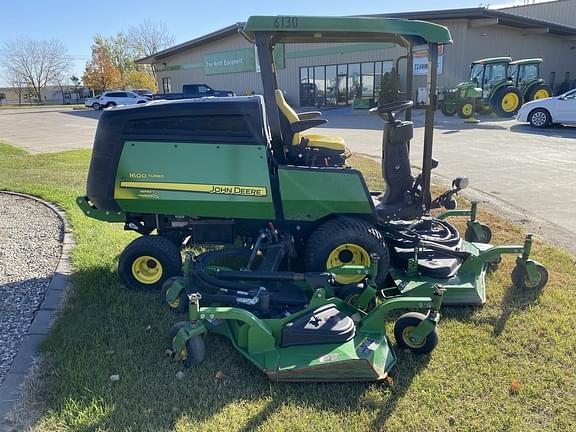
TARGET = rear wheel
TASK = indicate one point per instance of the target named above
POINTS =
(346, 241)
(110, 104)
(539, 91)
(507, 101)
(465, 109)
(148, 262)
(403, 328)
(540, 118)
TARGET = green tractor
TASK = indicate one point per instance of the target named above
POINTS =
(489, 88)
(313, 261)
(526, 76)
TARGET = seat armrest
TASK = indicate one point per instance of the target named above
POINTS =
(308, 115)
(302, 125)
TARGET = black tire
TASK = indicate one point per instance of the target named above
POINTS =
(96, 106)
(536, 92)
(471, 236)
(338, 232)
(195, 351)
(465, 109)
(500, 105)
(140, 102)
(349, 292)
(163, 262)
(540, 118)
(448, 109)
(520, 278)
(179, 306)
(402, 328)
(110, 104)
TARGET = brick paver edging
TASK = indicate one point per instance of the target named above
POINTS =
(43, 319)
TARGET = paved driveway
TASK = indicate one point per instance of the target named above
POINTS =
(40, 130)
(531, 174)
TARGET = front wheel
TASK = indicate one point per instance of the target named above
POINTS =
(147, 262)
(346, 241)
(540, 118)
(520, 277)
(96, 106)
(403, 329)
(180, 304)
(465, 109)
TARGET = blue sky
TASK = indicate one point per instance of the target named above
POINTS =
(75, 23)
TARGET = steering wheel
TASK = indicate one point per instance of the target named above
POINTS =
(388, 110)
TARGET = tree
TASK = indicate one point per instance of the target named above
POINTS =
(101, 73)
(38, 63)
(76, 85)
(141, 79)
(120, 52)
(148, 38)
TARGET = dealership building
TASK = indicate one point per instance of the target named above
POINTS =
(346, 74)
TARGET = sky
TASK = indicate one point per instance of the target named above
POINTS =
(75, 23)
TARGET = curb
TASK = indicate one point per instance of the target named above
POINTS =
(10, 389)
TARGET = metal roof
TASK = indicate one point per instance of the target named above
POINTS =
(497, 16)
(526, 61)
(500, 18)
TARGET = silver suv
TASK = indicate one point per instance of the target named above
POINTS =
(113, 98)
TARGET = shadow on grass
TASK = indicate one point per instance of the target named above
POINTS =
(515, 299)
(106, 330)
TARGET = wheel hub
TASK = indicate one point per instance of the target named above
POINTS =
(510, 102)
(147, 270)
(351, 254)
(539, 118)
(413, 343)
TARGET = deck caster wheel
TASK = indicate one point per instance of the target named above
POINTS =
(193, 352)
(403, 328)
(492, 266)
(180, 304)
(350, 293)
(483, 237)
(520, 277)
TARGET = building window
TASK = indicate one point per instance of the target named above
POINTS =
(167, 85)
(341, 84)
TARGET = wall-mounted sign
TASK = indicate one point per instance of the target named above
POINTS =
(421, 60)
(241, 60)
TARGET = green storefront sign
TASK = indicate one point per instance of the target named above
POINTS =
(242, 60)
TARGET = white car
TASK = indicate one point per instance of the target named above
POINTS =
(113, 98)
(542, 113)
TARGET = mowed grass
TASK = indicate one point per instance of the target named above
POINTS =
(508, 366)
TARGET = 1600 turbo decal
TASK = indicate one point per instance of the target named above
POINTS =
(255, 191)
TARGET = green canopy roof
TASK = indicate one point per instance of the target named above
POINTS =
(297, 29)
(493, 60)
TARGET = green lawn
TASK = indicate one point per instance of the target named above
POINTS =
(508, 366)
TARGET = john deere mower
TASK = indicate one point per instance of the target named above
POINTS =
(489, 88)
(526, 76)
(216, 171)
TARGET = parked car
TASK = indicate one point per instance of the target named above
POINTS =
(191, 91)
(143, 92)
(113, 98)
(542, 113)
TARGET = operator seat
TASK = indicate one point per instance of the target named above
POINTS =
(308, 148)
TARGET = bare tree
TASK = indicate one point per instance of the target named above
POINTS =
(150, 37)
(18, 84)
(38, 62)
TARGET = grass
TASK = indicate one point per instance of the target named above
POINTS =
(508, 366)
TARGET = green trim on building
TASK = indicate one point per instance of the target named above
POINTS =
(240, 60)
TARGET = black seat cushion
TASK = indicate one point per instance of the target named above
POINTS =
(430, 262)
(325, 324)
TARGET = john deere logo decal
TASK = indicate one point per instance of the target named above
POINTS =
(256, 191)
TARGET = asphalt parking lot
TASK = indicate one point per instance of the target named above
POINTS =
(529, 174)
